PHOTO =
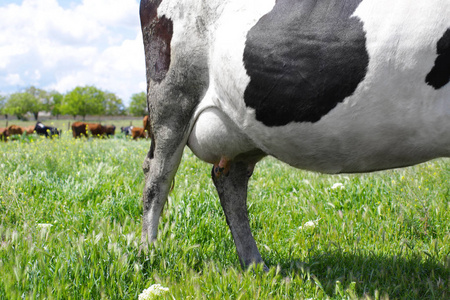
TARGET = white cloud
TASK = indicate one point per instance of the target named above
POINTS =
(119, 69)
(63, 44)
(13, 79)
(110, 12)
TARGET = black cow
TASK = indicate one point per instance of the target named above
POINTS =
(47, 131)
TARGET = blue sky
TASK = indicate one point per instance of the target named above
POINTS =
(61, 44)
(62, 3)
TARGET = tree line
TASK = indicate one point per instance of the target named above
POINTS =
(81, 101)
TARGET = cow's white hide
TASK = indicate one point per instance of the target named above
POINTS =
(392, 120)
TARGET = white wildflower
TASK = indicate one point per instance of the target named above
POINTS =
(44, 225)
(309, 224)
(153, 292)
(337, 185)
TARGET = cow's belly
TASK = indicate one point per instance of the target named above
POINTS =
(346, 141)
(353, 143)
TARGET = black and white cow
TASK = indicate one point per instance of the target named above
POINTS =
(47, 131)
(126, 130)
(334, 86)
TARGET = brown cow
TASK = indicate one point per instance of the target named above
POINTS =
(14, 129)
(96, 129)
(147, 126)
(99, 130)
(78, 129)
(29, 129)
(4, 134)
(138, 133)
(110, 130)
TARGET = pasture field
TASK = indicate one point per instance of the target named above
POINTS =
(70, 221)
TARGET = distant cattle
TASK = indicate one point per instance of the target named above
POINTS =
(142, 133)
(19, 130)
(126, 130)
(99, 130)
(147, 126)
(14, 129)
(29, 129)
(110, 130)
(4, 134)
(96, 129)
(138, 133)
(47, 131)
(79, 129)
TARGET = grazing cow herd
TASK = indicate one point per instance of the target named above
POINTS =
(79, 129)
(138, 132)
(95, 129)
(39, 128)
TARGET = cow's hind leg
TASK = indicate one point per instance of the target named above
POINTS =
(160, 166)
(232, 189)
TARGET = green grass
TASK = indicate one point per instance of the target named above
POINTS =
(384, 235)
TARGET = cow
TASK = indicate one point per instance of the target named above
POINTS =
(15, 130)
(99, 130)
(324, 85)
(110, 130)
(147, 126)
(79, 129)
(138, 133)
(96, 129)
(4, 134)
(47, 131)
(126, 130)
(28, 130)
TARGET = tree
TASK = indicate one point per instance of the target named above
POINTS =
(39, 101)
(113, 105)
(82, 101)
(19, 104)
(2, 105)
(56, 103)
(138, 105)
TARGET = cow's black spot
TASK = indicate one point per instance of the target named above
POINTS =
(303, 58)
(440, 73)
(157, 34)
